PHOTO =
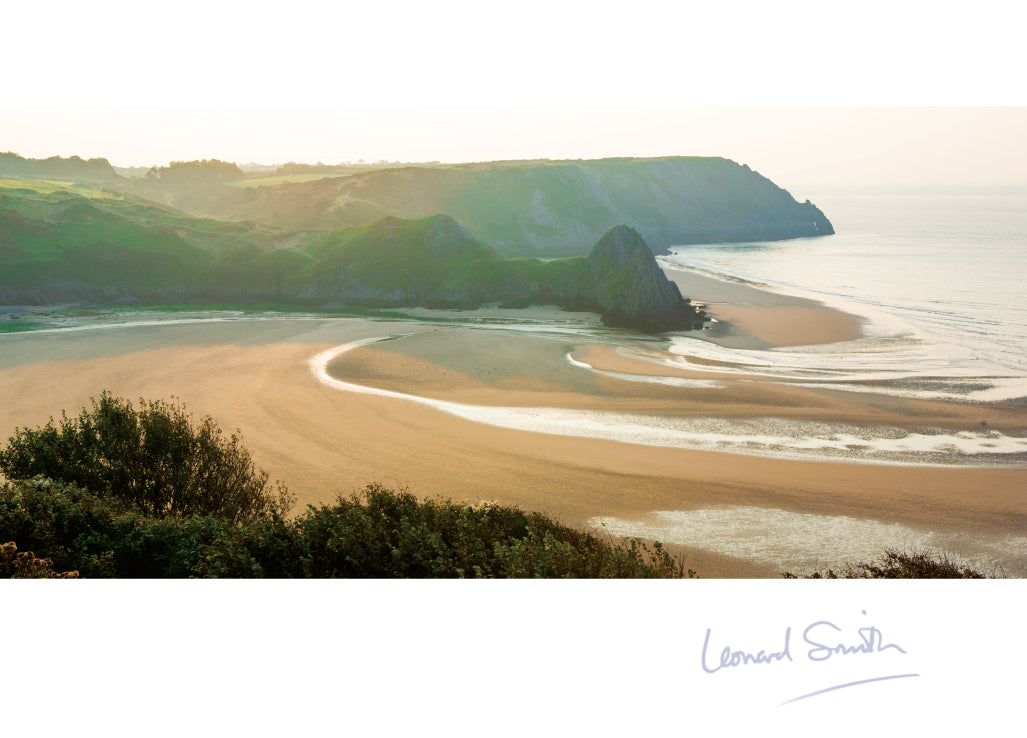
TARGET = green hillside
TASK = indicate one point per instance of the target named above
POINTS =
(434, 261)
(60, 241)
(523, 208)
(535, 208)
(63, 243)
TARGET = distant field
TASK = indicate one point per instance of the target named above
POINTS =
(284, 179)
(50, 186)
(259, 180)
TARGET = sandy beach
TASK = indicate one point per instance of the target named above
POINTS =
(254, 376)
(752, 318)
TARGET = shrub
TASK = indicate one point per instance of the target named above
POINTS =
(378, 534)
(384, 533)
(101, 536)
(25, 565)
(156, 458)
(899, 565)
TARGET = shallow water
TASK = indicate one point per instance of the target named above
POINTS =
(802, 542)
(938, 275)
(773, 437)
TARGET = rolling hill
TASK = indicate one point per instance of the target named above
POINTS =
(534, 208)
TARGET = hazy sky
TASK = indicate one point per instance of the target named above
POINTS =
(807, 93)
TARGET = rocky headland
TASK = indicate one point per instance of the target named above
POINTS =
(531, 208)
(630, 288)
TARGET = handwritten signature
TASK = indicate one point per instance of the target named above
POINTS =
(823, 640)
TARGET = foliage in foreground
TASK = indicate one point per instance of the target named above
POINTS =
(26, 565)
(899, 565)
(155, 457)
(379, 533)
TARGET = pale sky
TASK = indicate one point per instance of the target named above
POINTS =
(807, 93)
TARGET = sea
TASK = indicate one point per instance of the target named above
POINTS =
(940, 274)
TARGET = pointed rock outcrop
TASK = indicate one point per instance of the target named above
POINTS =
(631, 289)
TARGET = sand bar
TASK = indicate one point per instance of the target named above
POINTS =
(754, 319)
(489, 368)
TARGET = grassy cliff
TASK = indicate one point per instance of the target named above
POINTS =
(61, 241)
(538, 208)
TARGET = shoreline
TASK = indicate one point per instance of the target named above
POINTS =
(752, 318)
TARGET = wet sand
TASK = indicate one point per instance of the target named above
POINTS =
(499, 368)
(323, 442)
(751, 318)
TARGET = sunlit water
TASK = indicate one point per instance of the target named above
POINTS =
(940, 277)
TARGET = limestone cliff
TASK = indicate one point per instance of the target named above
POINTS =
(631, 289)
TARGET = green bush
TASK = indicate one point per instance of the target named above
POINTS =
(25, 565)
(899, 565)
(101, 536)
(383, 533)
(156, 458)
(379, 534)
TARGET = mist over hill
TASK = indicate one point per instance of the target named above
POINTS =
(536, 208)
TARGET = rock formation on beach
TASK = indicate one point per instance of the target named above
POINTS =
(630, 288)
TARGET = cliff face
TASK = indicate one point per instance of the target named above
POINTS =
(544, 208)
(630, 288)
(824, 227)
(564, 208)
